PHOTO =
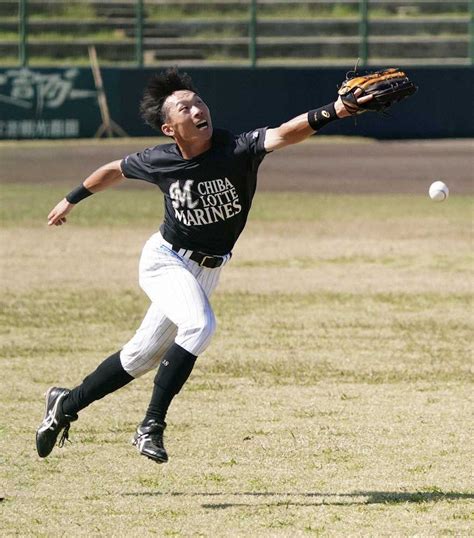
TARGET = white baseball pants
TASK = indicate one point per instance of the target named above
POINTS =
(180, 312)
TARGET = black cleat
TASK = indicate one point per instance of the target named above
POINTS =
(149, 441)
(54, 422)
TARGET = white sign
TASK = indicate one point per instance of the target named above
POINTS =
(58, 128)
(35, 90)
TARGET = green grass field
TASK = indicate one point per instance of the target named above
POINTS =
(335, 399)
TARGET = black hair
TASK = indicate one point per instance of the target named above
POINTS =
(159, 88)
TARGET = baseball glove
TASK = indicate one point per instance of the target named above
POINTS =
(387, 87)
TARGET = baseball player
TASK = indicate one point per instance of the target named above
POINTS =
(208, 177)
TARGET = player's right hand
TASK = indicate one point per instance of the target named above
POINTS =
(58, 215)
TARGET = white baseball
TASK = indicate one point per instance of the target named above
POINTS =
(438, 191)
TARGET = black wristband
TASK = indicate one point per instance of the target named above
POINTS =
(78, 194)
(320, 117)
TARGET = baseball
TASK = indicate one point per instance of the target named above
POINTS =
(438, 191)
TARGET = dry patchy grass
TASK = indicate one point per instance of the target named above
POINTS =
(335, 399)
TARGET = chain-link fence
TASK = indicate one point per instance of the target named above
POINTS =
(237, 32)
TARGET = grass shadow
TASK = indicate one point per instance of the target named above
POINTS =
(318, 499)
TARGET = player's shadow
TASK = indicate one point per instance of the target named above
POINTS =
(319, 499)
(347, 499)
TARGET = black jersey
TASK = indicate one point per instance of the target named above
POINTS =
(207, 198)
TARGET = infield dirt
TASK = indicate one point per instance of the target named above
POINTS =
(321, 164)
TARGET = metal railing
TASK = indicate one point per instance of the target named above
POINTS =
(255, 44)
(23, 32)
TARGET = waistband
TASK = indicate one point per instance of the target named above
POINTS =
(211, 261)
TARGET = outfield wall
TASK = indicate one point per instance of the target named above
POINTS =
(62, 103)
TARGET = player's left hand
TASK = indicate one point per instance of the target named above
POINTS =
(57, 216)
(342, 111)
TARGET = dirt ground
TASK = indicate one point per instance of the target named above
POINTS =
(327, 165)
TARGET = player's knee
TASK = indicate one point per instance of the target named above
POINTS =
(196, 336)
(205, 328)
(210, 326)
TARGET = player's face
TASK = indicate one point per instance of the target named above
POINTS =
(187, 117)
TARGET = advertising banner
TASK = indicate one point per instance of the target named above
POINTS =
(47, 103)
(63, 103)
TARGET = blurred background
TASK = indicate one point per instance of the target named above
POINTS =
(269, 58)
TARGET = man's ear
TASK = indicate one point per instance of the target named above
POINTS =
(167, 129)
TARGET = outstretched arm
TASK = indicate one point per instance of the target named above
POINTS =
(106, 176)
(298, 129)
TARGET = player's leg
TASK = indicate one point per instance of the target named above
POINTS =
(185, 301)
(151, 342)
(194, 332)
(63, 405)
(140, 355)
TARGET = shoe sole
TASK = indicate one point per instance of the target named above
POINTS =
(159, 462)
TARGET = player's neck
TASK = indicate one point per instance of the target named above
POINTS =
(189, 150)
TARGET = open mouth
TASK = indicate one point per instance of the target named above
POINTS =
(202, 125)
